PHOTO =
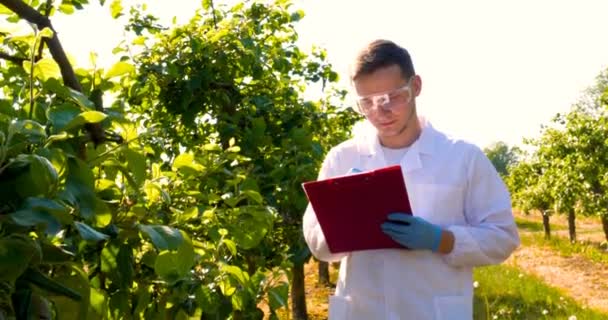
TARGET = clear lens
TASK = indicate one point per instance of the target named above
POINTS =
(387, 101)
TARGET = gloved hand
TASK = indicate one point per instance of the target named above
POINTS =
(412, 232)
(353, 170)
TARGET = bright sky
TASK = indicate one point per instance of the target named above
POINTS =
(491, 70)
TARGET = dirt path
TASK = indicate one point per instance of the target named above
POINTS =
(582, 279)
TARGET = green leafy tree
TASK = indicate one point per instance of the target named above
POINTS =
(572, 155)
(530, 190)
(502, 156)
(181, 198)
(236, 73)
(566, 186)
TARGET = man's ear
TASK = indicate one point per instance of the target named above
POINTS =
(417, 85)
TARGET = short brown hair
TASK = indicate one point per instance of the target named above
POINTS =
(380, 54)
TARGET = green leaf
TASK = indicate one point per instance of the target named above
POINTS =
(7, 108)
(140, 41)
(120, 303)
(226, 286)
(67, 308)
(163, 237)
(128, 131)
(251, 225)
(144, 297)
(33, 131)
(154, 193)
(136, 163)
(297, 16)
(46, 32)
(62, 136)
(4, 10)
(88, 233)
(42, 176)
(55, 86)
(30, 218)
(85, 117)
(277, 296)
(108, 258)
(186, 164)
(206, 4)
(81, 99)
(38, 278)
(125, 262)
(239, 300)
(116, 8)
(119, 69)
(212, 147)
(61, 115)
(99, 304)
(112, 163)
(44, 69)
(103, 214)
(55, 255)
(206, 299)
(18, 181)
(16, 252)
(117, 264)
(172, 266)
(41, 211)
(230, 245)
(234, 149)
(50, 206)
(66, 8)
(241, 276)
(253, 195)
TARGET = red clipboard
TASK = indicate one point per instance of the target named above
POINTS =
(351, 208)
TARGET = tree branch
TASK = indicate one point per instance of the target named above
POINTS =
(47, 9)
(30, 14)
(214, 17)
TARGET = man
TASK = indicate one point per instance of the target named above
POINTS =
(462, 214)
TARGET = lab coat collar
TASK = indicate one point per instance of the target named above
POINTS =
(369, 144)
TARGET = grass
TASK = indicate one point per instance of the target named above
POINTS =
(535, 226)
(597, 252)
(505, 292)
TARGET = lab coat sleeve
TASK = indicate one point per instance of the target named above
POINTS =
(312, 230)
(490, 234)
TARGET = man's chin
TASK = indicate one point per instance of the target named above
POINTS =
(390, 131)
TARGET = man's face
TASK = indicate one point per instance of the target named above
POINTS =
(388, 100)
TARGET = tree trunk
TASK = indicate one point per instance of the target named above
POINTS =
(546, 225)
(324, 274)
(572, 226)
(298, 293)
(605, 225)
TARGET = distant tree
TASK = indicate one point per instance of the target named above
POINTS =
(502, 156)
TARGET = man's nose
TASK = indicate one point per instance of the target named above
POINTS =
(380, 101)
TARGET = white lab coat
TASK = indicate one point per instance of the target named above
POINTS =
(450, 183)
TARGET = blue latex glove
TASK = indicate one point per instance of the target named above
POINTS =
(353, 170)
(412, 232)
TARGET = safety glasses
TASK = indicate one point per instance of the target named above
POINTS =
(388, 101)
